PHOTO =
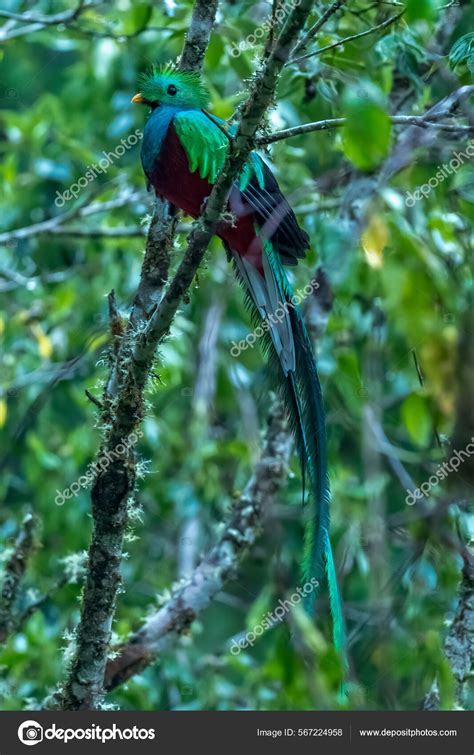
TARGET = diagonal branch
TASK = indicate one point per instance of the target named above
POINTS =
(123, 399)
(192, 597)
(306, 39)
(112, 490)
(352, 38)
(189, 599)
(259, 100)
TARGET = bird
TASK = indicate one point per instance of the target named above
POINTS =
(184, 149)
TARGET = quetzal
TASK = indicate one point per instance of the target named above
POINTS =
(183, 150)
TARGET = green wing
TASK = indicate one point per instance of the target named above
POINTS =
(205, 144)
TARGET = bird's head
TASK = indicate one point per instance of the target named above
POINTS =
(170, 86)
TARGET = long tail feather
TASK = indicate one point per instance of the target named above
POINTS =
(291, 356)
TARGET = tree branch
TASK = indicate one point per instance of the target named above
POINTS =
(123, 396)
(459, 646)
(123, 409)
(165, 626)
(14, 569)
(197, 38)
(55, 225)
(188, 600)
(260, 98)
(34, 22)
(459, 643)
(306, 39)
(423, 121)
(379, 27)
(413, 138)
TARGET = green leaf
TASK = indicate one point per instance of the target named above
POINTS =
(463, 50)
(417, 419)
(214, 52)
(366, 135)
(141, 14)
(420, 9)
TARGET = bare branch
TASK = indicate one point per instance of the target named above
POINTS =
(422, 121)
(412, 138)
(304, 128)
(55, 225)
(34, 22)
(303, 43)
(379, 27)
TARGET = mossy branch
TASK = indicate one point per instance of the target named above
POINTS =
(122, 411)
(191, 597)
(14, 571)
(123, 399)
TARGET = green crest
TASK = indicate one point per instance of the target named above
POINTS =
(169, 86)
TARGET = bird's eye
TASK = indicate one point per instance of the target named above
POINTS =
(172, 89)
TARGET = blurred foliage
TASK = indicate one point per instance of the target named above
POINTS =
(65, 93)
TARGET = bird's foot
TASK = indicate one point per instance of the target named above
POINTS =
(204, 205)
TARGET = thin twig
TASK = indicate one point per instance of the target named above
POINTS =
(34, 22)
(379, 27)
(329, 123)
(94, 400)
(55, 225)
(330, 11)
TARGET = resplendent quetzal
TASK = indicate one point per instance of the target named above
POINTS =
(183, 150)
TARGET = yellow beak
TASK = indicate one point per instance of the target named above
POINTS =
(137, 98)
